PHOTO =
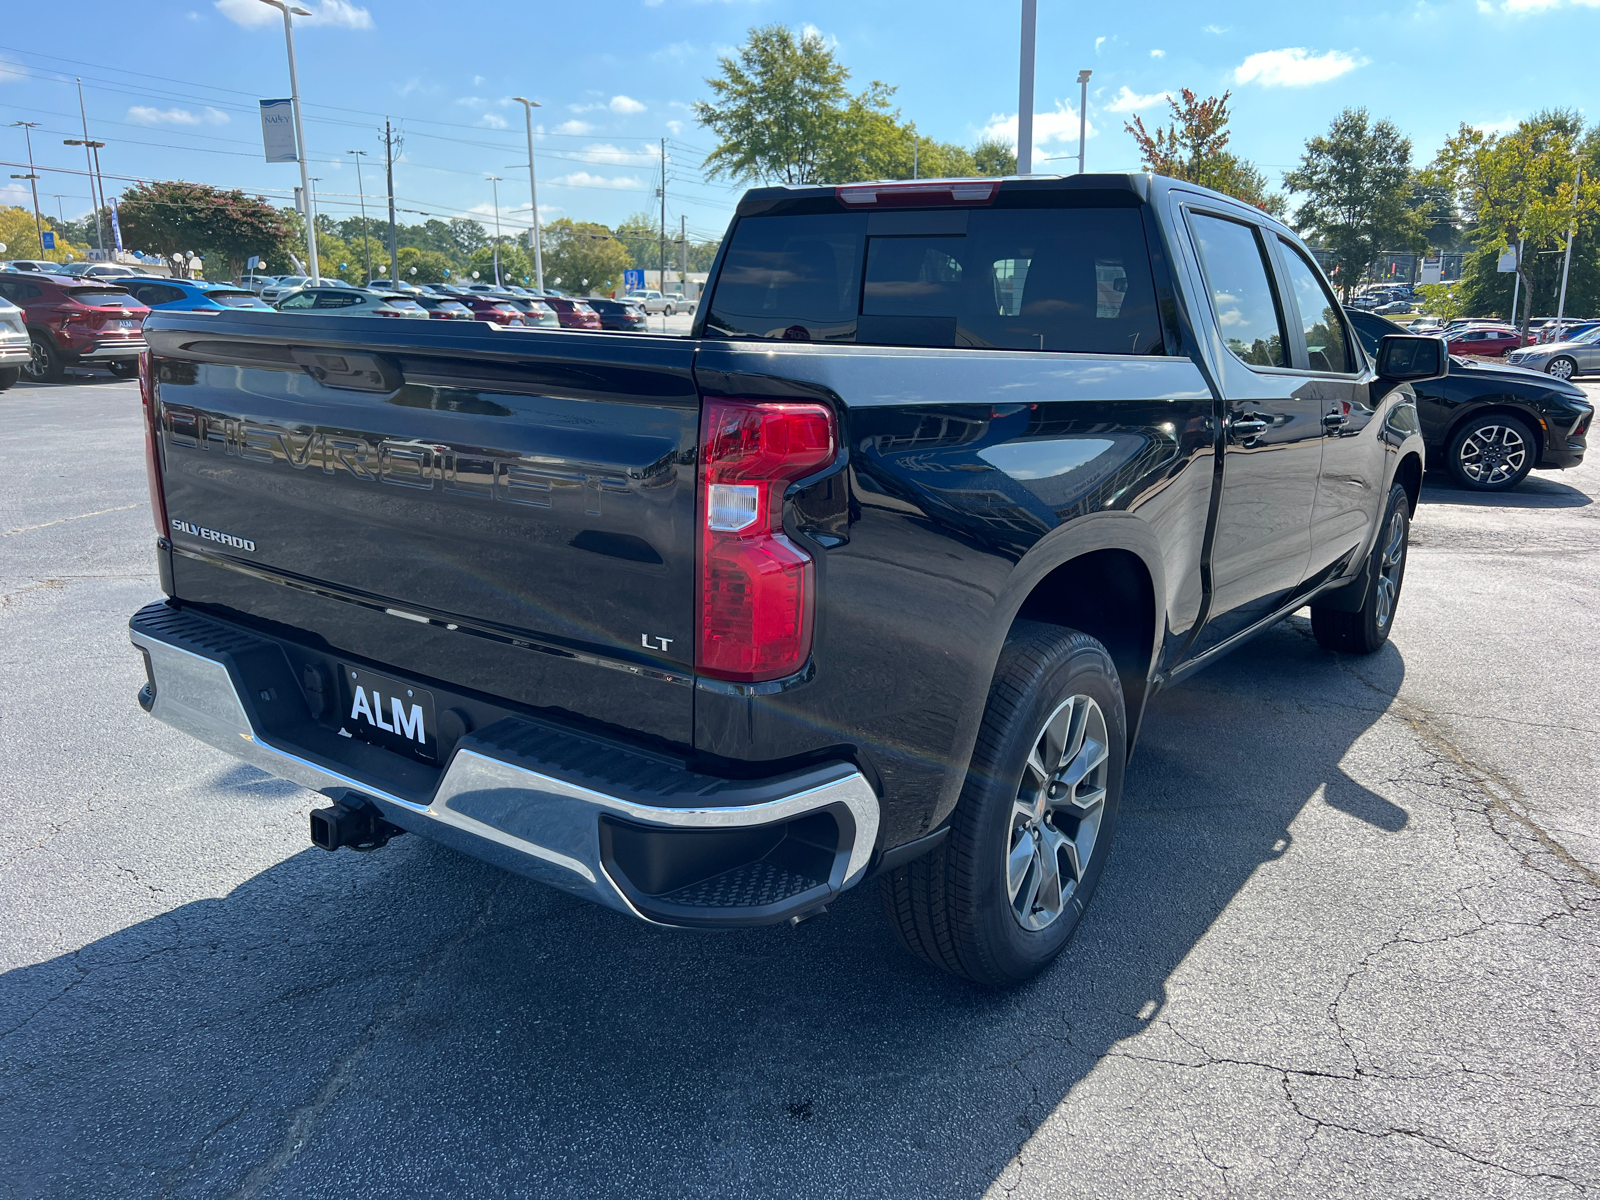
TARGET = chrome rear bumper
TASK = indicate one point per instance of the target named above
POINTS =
(495, 800)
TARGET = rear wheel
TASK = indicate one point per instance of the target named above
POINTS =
(46, 365)
(998, 899)
(1367, 629)
(9, 376)
(1561, 367)
(1492, 454)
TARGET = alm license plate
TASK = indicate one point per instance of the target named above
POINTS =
(128, 324)
(389, 713)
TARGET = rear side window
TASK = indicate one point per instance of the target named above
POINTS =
(1067, 279)
(1327, 342)
(1241, 293)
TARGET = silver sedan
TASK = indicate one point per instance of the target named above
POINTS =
(350, 302)
(1580, 356)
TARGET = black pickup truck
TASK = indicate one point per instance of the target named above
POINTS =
(871, 576)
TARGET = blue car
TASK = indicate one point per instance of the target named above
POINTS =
(189, 295)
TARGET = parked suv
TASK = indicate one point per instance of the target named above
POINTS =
(71, 323)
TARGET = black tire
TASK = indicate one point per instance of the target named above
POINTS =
(9, 376)
(954, 907)
(1492, 453)
(46, 366)
(1562, 366)
(123, 368)
(1367, 629)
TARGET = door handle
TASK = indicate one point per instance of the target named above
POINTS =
(1334, 421)
(1246, 427)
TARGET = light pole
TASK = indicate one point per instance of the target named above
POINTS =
(533, 196)
(83, 115)
(494, 182)
(366, 245)
(38, 222)
(1083, 114)
(1030, 22)
(97, 187)
(299, 129)
(1566, 263)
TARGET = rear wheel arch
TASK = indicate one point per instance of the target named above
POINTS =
(1409, 476)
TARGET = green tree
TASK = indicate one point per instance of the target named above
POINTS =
(171, 217)
(992, 157)
(1442, 300)
(21, 237)
(515, 263)
(775, 109)
(583, 257)
(431, 265)
(1194, 148)
(1357, 182)
(1523, 185)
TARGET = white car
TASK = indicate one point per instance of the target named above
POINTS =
(15, 349)
(654, 302)
(327, 300)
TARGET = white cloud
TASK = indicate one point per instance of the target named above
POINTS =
(493, 121)
(10, 72)
(477, 81)
(1158, 54)
(1216, 29)
(1061, 125)
(471, 101)
(583, 179)
(674, 127)
(1127, 100)
(809, 30)
(575, 127)
(678, 51)
(1521, 8)
(1295, 67)
(339, 13)
(1098, 42)
(1493, 127)
(626, 105)
(143, 114)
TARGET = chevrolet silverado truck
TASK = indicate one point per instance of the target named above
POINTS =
(873, 576)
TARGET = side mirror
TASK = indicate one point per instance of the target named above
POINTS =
(1412, 358)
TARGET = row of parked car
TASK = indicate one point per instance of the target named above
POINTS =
(56, 318)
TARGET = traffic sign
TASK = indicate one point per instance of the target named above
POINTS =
(48, 237)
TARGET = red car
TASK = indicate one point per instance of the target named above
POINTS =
(1487, 341)
(76, 323)
(487, 308)
(573, 314)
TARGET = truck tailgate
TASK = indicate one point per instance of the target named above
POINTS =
(508, 512)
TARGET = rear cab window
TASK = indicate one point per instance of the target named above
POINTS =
(1068, 279)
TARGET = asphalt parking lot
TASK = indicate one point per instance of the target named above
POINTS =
(1347, 945)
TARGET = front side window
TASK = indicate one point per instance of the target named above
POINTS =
(1241, 290)
(299, 300)
(1327, 341)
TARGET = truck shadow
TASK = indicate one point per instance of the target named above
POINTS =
(1536, 491)
(413, 1023)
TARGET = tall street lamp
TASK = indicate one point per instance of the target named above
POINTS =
(1083, 114)
(366, 243)
(494, 182)
(533, 196)
(94, 167)
(1030, 22)
(38, 222)
(97, 187)
(312, 267)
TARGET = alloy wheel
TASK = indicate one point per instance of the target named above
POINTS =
(38, 366)
(1390, 567)
(1055, 819)
(1561, 368)
(1492, 454)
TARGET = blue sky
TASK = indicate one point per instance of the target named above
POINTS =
(178, 99)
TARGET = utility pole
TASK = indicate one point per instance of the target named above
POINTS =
(916, 143)
(1566, 264)
(33, 178)
(366, 234)
(313, 266)
(1030, 22)
(388, 159)
(535, 239)
(494, 182)
(683, 254)
(663, 195)
(83, 113)
(1516, 281)
(1083, 115)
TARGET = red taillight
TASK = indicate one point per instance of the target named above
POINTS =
(152, 458)
(755, 584)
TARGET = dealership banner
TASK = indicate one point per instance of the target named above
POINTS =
(277, 130)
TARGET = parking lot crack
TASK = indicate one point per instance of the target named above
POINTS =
(303, 1119)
